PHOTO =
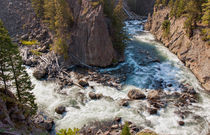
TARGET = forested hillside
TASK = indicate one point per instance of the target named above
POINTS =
(197, 13)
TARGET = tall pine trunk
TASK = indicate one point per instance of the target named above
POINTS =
(15, 78)
(3, 76)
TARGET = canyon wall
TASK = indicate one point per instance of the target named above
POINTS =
(90, 41)
(193, 52)
(141, 7)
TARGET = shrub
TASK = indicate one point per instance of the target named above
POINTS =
(70, 131)
(33, 42)
(166, 28)
(125, 130)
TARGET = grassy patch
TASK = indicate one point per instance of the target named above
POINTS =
(35, 52)
(32, 42)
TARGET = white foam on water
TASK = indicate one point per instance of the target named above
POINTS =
(80, 112)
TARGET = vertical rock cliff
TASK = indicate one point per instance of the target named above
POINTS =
(91, 42)
(193, 52)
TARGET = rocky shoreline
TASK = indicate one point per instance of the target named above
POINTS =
(193, 52)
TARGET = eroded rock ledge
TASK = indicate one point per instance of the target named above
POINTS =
(193, 52)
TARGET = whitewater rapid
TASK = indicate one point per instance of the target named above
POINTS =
(141, 74)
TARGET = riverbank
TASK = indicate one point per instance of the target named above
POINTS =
(193, 52)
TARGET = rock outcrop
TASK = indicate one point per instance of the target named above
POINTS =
(193, 52)
(91, 42)
(13, 120)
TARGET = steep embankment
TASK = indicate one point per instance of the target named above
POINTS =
(90, 42)
(13, 120)
(193, 52)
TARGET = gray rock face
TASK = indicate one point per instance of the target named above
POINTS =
(91, 42)
(136, 94)
(193, 52)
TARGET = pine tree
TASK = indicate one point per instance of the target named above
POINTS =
(125, 130)
(38, 6)
(164, 2)
(22, 81)
(4, 44)
(180, 8)
(171, 3)
(206, 13)
(11, 59)
(50, 13)
(157, 2)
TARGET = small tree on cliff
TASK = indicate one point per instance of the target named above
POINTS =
(4, 67)
(13, 65)
(206, 13)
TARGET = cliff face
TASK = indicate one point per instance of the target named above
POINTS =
(193, 52)
(90, 41)
(12, 119)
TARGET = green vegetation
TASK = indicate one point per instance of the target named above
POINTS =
(12, 70)
(70, 131)
(36, 52)
(58, 16)
(166, 28)
(125, 130)
(33, 42)
(193, 10)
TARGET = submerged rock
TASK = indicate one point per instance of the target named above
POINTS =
(123, 102)
(60, 109)
(152, 110)
(136, 94)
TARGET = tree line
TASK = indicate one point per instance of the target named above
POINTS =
(13, 74)
(196, 12)
(59, 18)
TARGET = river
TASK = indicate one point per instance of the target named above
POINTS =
(148, 65)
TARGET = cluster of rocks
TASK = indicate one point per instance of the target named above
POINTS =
(113, 127)
(45, 123)
(13, 119)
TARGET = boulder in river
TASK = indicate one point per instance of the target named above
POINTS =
(83, 83)
(152, 110)
(136, 94)
(181, 123)
(39, 74)
(154, 94)
(60, 109)
(123, 102)
(95, 96)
